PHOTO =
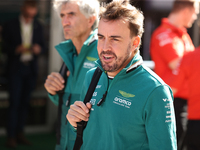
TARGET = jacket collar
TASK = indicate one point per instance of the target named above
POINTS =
(67, 50)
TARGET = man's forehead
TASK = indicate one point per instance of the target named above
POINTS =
(117, 22)
(70, 6)
(120, 23)
(113, 28)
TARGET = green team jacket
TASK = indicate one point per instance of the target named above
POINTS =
(137, 113)
(78, 65)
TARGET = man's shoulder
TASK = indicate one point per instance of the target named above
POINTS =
(91, 72)
(154, 81)
(11, 22)
(162, 31)
(164, 36)
(65, 44)
(89, 75)
(146, 79)
(151, 77)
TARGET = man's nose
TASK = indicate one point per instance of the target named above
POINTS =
(106, 45)
(65, 21)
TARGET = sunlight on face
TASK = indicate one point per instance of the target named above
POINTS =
(74, 23)
(114, 45)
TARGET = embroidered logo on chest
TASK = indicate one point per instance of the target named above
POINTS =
(89, 63)
(123, 100)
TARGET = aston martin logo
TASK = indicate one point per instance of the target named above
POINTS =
(91, 58)
(127, 95)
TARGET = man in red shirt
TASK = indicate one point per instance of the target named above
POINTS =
(189, 71)
(170, 41)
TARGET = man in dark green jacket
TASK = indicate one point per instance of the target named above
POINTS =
(79, 20)
(137, 112)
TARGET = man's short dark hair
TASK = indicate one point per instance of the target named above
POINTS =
(124, 10)
(182, 4)
(30, 3)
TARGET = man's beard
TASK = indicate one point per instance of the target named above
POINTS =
(119, 60)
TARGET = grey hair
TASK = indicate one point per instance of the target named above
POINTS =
(88, 8)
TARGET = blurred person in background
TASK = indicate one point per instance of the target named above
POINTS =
(189, 72)
(169, 43)
(79, 19)
(23, 39)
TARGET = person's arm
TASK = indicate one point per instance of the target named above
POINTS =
(53, 84)
(39, 46)
(78, 112)
(21, 49)
(54, 98)
(170, 55)
(174, 63)
(169, 50)
(179, 76)
(36, 49)
(9, 44)
(160, 119)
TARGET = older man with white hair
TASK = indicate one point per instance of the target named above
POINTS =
(79, 20)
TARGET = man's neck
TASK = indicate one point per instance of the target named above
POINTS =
(78, 41)
(176, 20)
(113, 74)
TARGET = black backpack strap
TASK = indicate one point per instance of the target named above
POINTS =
(81, 125)
(63, 72)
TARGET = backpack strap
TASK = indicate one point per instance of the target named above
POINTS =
(63, 72)
(81, 125)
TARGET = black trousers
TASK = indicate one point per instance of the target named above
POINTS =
(193, 135)
(180, 106)
(21, 84)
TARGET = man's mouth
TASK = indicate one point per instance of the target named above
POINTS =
(107, 57)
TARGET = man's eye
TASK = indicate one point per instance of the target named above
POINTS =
(100, 37)
(115, 39)
(71, 14)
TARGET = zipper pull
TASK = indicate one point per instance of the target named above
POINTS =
(102, 99)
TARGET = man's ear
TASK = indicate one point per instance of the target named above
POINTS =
(185, 11)
(91, 21)
(136, 42)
